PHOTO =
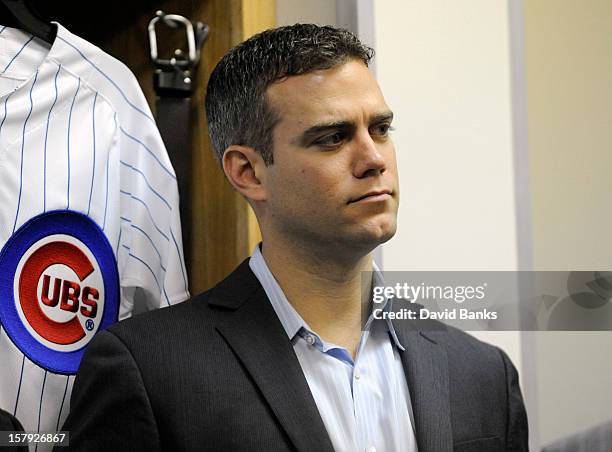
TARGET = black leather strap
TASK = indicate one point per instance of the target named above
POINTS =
(174, 87)
(173, 104)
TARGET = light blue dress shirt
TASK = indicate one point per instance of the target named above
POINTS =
(364, 403)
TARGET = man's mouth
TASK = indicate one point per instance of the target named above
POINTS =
(373, 196)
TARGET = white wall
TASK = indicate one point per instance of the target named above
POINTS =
(569, 84)
(444, 69)
(569, 81)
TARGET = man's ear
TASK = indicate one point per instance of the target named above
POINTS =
(245, 170)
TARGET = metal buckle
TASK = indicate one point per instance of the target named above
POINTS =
(193, 47)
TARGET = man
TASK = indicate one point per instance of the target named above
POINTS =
(274, 357)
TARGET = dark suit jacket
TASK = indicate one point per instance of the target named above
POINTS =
(9, 423)
(218, 373)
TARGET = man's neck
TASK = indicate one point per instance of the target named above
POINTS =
(326, 290)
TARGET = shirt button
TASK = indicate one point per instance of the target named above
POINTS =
(310, 339)
(371, 449)
(357, 377)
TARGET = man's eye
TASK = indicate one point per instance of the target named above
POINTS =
(331, 140)
(381, 129)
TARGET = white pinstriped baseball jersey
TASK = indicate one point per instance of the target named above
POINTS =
(88, 212)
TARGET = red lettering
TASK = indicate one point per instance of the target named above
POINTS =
(70, 296)
(90, 295)
(56, 291)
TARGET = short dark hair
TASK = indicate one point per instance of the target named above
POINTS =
(236, 107)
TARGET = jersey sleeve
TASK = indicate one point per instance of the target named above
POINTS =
(150, 251)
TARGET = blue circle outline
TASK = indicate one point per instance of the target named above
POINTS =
(82, 228)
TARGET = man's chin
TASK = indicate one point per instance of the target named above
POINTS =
(384, 236)
(373, 235)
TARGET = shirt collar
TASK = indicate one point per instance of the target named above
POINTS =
(290, 319)
(292, 322)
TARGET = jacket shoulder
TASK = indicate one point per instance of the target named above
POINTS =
(200, 313)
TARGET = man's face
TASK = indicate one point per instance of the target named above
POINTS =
(334, 177)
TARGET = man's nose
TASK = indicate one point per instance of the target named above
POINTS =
(368, 160)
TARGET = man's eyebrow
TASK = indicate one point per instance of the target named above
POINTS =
(343, 126)
(313, 131)
(382, 117)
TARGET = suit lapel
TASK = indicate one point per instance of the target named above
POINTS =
(426, 369)
(258, 339)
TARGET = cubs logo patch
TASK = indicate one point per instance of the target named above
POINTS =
(59, 285)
